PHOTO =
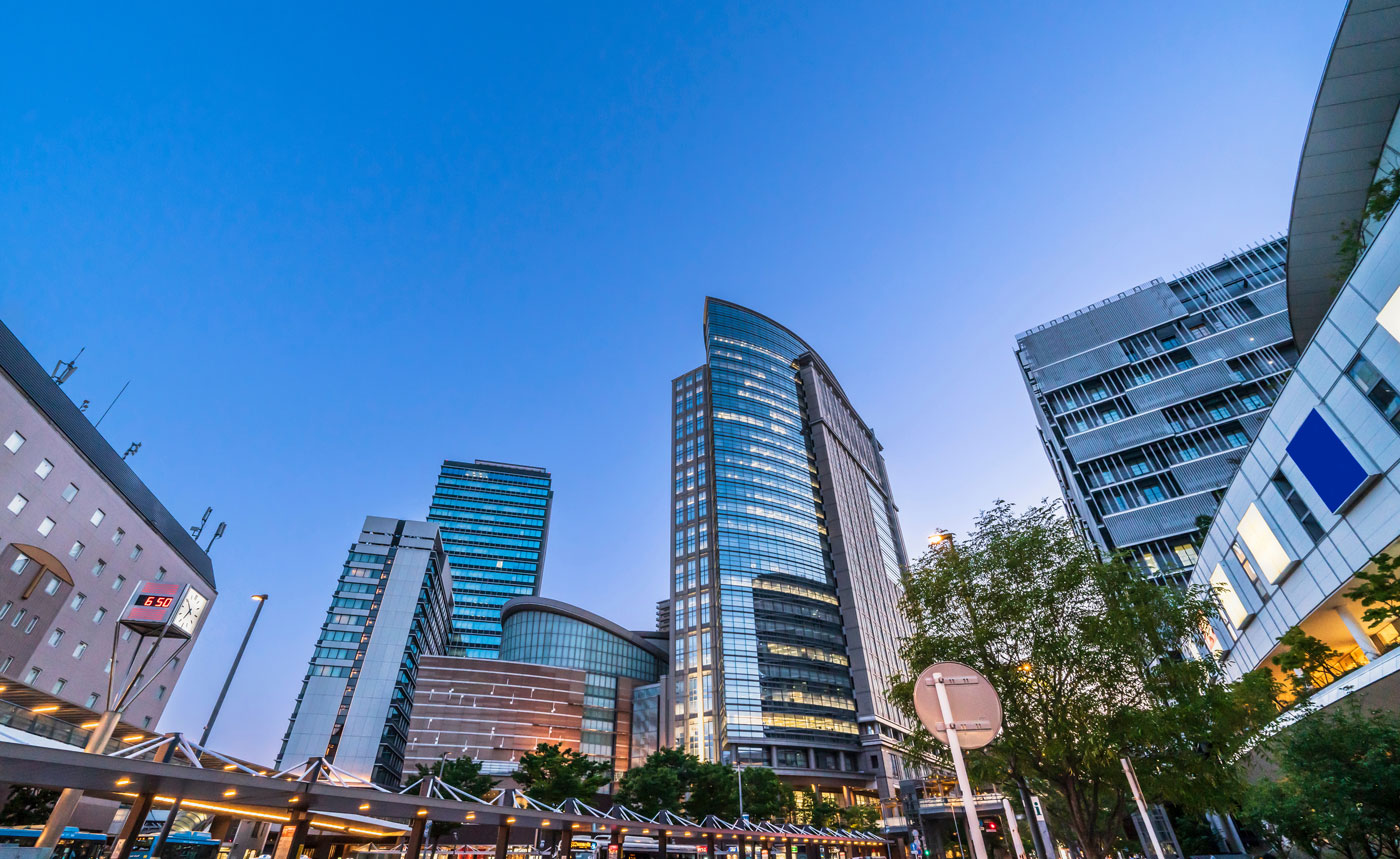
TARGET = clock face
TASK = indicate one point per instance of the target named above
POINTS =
(187, 615)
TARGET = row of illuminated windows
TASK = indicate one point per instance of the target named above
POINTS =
(690, 379)
(686, 573)
(800, 488)
(686, 508)
(692, 539)
(689, 479)
(690, 401)
(525, 505)
(771, 465)
(690, 449)
(809, 556)
(464, 533)
(732, 413)
(475, 523)
(694, 650)
(497, 486)
(746, 438)
(747, 361)
(461, 562)
(474, 587)
(459, 512)
(494, 476)
(728, 380)
(796, 608)
(796, 498)
(741, 568)
(690, 424)
(804, 533)
(691, 611)
(455, 548)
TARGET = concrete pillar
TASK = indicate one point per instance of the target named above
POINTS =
(415, 837)
(126, 838)
(292, 836)
(502, 841)
(1353, 626)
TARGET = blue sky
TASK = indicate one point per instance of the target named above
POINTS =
(331, 246)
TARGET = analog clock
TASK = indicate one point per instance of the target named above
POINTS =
(191, 607)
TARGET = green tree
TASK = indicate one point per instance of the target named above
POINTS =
(1381, 197)
(813, 810)
(862, 818)
(659, 784)
(1336, 785)
(463, 773)
(1379, 591)
(1089, 658)
(1308, 662)
(552, 774)
(26, 806)
(765, 795)
(714, 789)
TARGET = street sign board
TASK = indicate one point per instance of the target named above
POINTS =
(973, 703)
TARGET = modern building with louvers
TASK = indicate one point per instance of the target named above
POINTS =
(1146, 401)
(786, 571)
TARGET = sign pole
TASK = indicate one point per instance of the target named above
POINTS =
(1015, 830)
(1142, 807)
(955, 750)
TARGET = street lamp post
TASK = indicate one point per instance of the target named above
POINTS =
(209, 726)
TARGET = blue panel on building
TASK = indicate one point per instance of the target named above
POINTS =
(1326, 462)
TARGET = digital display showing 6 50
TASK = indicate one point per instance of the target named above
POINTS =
(153, 601)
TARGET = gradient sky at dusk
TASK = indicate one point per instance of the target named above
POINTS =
(331, 247)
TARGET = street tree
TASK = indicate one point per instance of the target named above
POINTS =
(1335, 788)
(813, 810)
(862, 818)
(463, 773)
(714, 789)
(26, 806)
(765, 795)
(1093, 662)
(659, 784)
(552, 774)
(1379, 590)
(1309, 663)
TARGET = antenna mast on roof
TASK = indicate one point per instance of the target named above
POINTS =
(63, 369)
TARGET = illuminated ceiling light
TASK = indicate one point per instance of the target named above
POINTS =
(230, 766)
(85, 726)
(422, 811)
(510, 820)
(471, 815)
(131, 738)
(574, 825)
(123, 781)
(294, 799)
(47, 708)
(364, 806)
(544, 823)
(230, 792)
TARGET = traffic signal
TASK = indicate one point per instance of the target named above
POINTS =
(990, 824)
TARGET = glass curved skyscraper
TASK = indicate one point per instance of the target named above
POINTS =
(787, 553)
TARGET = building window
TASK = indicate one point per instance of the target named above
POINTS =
(146, 723)
(44, 469)
(5, 609)
(51, 586)
(33, 622)
(160, 574)
(1298, 506)
(1376, 388)
(19, 616)
(17, 503)
(117, 537)
(126, 633)
(1249, 570)
(98, 615)
(136, 552)
(98, 567)
(55, 637)
(118, 582)
(20, 562)
(70, 493)
(76, 550)
(92, 701)
(14, 442)
(160, 693)
(80, 650)
(77, 601)
(33, 675)
(46, 526)
(97, 517)
(58, 685)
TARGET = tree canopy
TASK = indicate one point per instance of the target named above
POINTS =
(463, 773)
(677, 781)
(552, 774)
(1093, 662)
(1336, 784)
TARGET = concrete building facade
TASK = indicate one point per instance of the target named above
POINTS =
(390, 610)
(79, 531)
(1145, 402)
(1317, 497)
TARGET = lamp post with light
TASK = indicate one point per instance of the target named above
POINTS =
(174, 811)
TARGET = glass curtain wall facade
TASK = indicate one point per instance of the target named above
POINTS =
(495, 526)
(1147, 401)
(762, 600)
(617, 662)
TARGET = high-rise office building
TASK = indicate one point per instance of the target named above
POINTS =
(1147, 401)
(389, 611)
(787, 554)
(495, 524)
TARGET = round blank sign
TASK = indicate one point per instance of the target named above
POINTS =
(975, 705)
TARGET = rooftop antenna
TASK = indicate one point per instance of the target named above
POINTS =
(131, 451)
(218, 532)
(196, 530)
(114, 402)
(63, 369)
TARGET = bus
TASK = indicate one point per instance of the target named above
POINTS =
(178, 845)
(73, 844)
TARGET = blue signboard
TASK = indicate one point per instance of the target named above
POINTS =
(1327, 463)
